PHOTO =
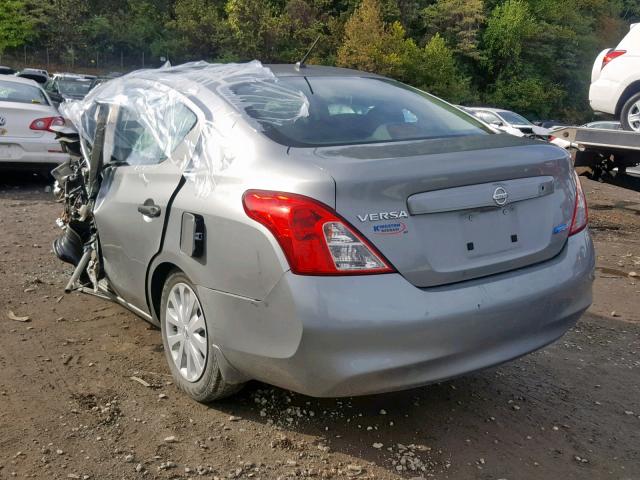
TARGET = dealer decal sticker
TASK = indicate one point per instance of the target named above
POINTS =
(390, 228)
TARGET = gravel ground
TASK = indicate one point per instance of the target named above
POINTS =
(85, 392)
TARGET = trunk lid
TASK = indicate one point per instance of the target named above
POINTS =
(449, 210)
(18, 118)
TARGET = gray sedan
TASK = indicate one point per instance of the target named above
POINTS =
(325, 230)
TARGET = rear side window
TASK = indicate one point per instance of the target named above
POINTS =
(19, 93)
(352, 110)
(514, 118)
(140, 140)
(487, 117)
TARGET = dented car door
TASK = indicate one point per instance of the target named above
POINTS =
(139, 180)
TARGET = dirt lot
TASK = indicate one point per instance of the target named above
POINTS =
(69, 408)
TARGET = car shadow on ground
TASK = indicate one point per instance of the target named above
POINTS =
(18, 182)
(630, 181)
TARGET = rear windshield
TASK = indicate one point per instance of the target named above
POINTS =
(16, 92)
(74, 86)
(352, 110)
(36, 77)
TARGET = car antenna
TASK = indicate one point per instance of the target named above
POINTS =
(301, 63)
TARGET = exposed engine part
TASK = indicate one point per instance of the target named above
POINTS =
(77, 182)
(94, 269)
(68, 247)
(82, 264)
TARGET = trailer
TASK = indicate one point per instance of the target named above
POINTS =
(602, 151)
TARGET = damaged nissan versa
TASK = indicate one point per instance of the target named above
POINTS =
(325, 230)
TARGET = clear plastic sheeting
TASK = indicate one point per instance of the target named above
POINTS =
(184, 114)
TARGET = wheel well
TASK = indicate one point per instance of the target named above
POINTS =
(158, 279)
(630, 91)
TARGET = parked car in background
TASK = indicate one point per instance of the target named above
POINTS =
(495, 126)
(4, 70)
(39, 76)
(549, 124)
(98, 81)
(604, 124)
(326, 230)
(508, 121)
(26, 118)
(68, 87)
(35, 74)
(615, 81)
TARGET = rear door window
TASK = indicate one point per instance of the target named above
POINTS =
(20, 93)
(147, 137)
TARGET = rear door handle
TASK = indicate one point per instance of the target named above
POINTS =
(149, 209)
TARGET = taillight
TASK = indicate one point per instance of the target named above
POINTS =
(314, 238)
(611, 55)
(45, 124)
(580, 212)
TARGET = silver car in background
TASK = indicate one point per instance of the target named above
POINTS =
(509, 121)
(325, 230)
(27, 120)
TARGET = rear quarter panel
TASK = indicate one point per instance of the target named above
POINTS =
(240, 257)
(606, 91)
(609, 83)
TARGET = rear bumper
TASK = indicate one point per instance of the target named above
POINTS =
(43, 150)
(343, 336)
(604, 95)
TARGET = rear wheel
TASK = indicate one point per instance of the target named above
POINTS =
(630, 115)
(186, 335)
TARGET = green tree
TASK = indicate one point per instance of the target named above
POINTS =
(302, 22)
(371, 45)
(509, 27)
(439, 73)
(197, 30)
(17, 25)
(458, 22)
(144, 26)
(255, 29)
(397, 55)
(364, 34)
(631, 10)
(531, 55)
(528, 95)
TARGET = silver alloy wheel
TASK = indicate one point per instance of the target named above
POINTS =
(633, 116)
(186, 332)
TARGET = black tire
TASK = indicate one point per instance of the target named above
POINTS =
(624, 114)
(211, 385)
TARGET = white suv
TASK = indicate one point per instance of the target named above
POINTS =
(615, 81)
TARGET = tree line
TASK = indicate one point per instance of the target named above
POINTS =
(532, 56)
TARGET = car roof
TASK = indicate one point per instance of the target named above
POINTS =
(292, 70)
(182, 78)
(488, 109)
(24, 81)
(33, 70)
(32, 74)
(73, 76)
(64, 74)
